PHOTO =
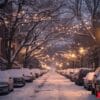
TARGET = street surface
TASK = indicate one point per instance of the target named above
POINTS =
(50, 86)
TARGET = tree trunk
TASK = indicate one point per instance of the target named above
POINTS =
(96, 27)
(26, 57)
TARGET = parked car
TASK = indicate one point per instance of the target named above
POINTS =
(36, 72)
(88, 80)
(16, 75)
(27, 75)
(80, 76)
(6, 82)
(43, 72)
(68, 73)
(96, 82)
(74, 75)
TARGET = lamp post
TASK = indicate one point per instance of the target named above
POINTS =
(82, 52)
(73, 57)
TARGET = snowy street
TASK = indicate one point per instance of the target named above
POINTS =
(49, 49)
(51, 86)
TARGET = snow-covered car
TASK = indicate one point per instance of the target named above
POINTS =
(75, 74)
(96, 82)
(16, 75)
(44, 72)
(80, 76)
(27, 75)
(62, 72)
(68, 72)
(88, 80)
(36, 72)
(6, 82)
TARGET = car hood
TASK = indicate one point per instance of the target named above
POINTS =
(15, 73)
(2, 84)
(3, 80)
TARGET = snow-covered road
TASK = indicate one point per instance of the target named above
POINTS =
(51, 86)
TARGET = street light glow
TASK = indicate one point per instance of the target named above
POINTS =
(82, 50)
(73, 55)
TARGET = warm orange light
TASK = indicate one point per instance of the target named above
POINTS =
(60, 65)
(81, 50)
(73, 55)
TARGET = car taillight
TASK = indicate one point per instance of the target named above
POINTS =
(98, 95)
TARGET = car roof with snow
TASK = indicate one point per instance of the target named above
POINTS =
(4, 75)
(35, 70)
(90, 75)
(97, 71)
(15, 73)
(25, 71)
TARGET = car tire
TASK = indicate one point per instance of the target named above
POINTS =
(8, 91)
(93, 91)
(24, 82)
(12, 90)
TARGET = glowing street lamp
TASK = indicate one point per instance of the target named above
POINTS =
(60, 65)
(73, 56)
(67, 63)
(82, 52)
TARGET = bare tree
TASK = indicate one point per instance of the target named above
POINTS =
(91, 9)
(25, 18)
(94, 9)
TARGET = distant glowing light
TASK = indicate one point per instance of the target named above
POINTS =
(6, 22)
(81, 50)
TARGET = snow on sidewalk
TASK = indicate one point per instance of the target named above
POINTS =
(58, 87)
